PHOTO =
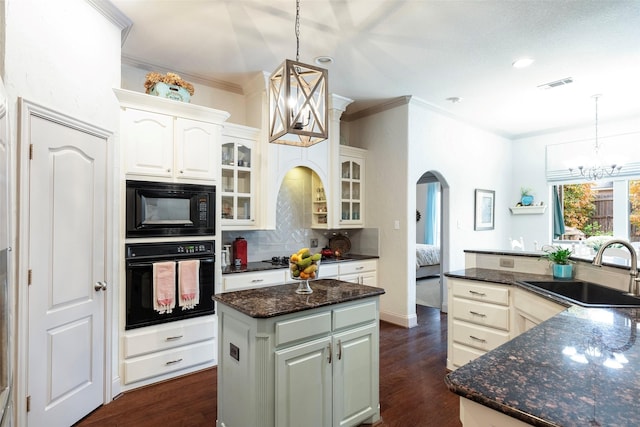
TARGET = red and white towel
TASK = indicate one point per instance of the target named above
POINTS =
(188, 284)
(164, 286)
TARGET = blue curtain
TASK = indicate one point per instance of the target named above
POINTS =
(558, 217)
(431, 220)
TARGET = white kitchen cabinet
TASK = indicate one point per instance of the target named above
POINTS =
(156, 353)
(351, 192)
(169, 140)
(479, 319)
(329, 270)
(196, 150)
(164, 146)
(148, 143)
(254, 279)
(318, 367)
(530, 310)
(363, 272)
(239, 172)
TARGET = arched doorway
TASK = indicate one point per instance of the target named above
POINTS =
(432, 195)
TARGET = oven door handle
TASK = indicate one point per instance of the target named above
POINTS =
(149, 264)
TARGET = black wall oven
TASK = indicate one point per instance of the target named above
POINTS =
(159, 209)
(154, 272)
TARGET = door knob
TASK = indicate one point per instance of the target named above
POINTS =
(100, 286)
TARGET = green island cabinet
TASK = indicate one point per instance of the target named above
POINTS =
(314, 367)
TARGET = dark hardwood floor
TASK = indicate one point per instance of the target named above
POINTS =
(412, 389)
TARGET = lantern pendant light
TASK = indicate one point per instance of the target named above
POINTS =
(298, 100)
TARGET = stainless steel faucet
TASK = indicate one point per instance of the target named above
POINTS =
(633, 280)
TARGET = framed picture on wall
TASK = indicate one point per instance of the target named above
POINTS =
(485, 210)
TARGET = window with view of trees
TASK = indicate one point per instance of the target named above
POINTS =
(589, 209)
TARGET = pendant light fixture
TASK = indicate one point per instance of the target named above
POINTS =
(596, 170)
(298, 100)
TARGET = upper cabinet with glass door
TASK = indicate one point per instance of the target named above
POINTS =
(352, 165)
(238, 176)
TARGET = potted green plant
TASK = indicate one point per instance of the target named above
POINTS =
(560, 262)
(526, 198)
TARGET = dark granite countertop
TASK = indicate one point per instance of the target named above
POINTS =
(610, 261)
(579, 368)
(277, 300)
(264, 265)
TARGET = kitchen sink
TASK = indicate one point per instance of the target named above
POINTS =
(586, 293)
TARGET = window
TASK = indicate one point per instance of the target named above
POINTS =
(602, 208)
(634, 210)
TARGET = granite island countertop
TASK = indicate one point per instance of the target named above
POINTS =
(277, 300)
(579, 368)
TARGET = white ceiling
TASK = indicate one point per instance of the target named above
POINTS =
(429, 49)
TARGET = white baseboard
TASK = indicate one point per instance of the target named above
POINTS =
(399, 319)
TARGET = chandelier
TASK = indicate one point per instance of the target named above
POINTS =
(298, 100)
(597, 170)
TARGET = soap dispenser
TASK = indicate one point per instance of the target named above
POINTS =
(225, 256)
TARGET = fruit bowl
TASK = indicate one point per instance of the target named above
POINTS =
(304, 267)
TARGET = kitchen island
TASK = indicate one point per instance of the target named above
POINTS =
(581, 367)
(287, 359)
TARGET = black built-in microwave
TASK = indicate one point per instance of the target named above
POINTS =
(159, 209)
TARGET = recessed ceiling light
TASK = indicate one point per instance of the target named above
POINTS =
(454, 99)
(522, 63)
(323, 60)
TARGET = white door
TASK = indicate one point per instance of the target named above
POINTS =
(66, 304)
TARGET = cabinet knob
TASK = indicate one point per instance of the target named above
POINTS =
(181, 171)
(168, 170)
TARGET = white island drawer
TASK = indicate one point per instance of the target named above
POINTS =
(494, 316)
(354, 315)
(304, 327)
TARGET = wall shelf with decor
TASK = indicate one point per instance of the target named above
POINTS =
(527, 210)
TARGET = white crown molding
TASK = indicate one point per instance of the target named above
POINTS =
(217, 84)
(375, 109)
(113, 14)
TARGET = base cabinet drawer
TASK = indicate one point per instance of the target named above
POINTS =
(163, 337)
(358, 267)
(477, 336)
(165, 362)
(480, 292)
(491, 315)
(238, 281)
(463, 354)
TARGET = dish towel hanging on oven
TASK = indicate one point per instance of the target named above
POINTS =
(188, 284)
(164, 286)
